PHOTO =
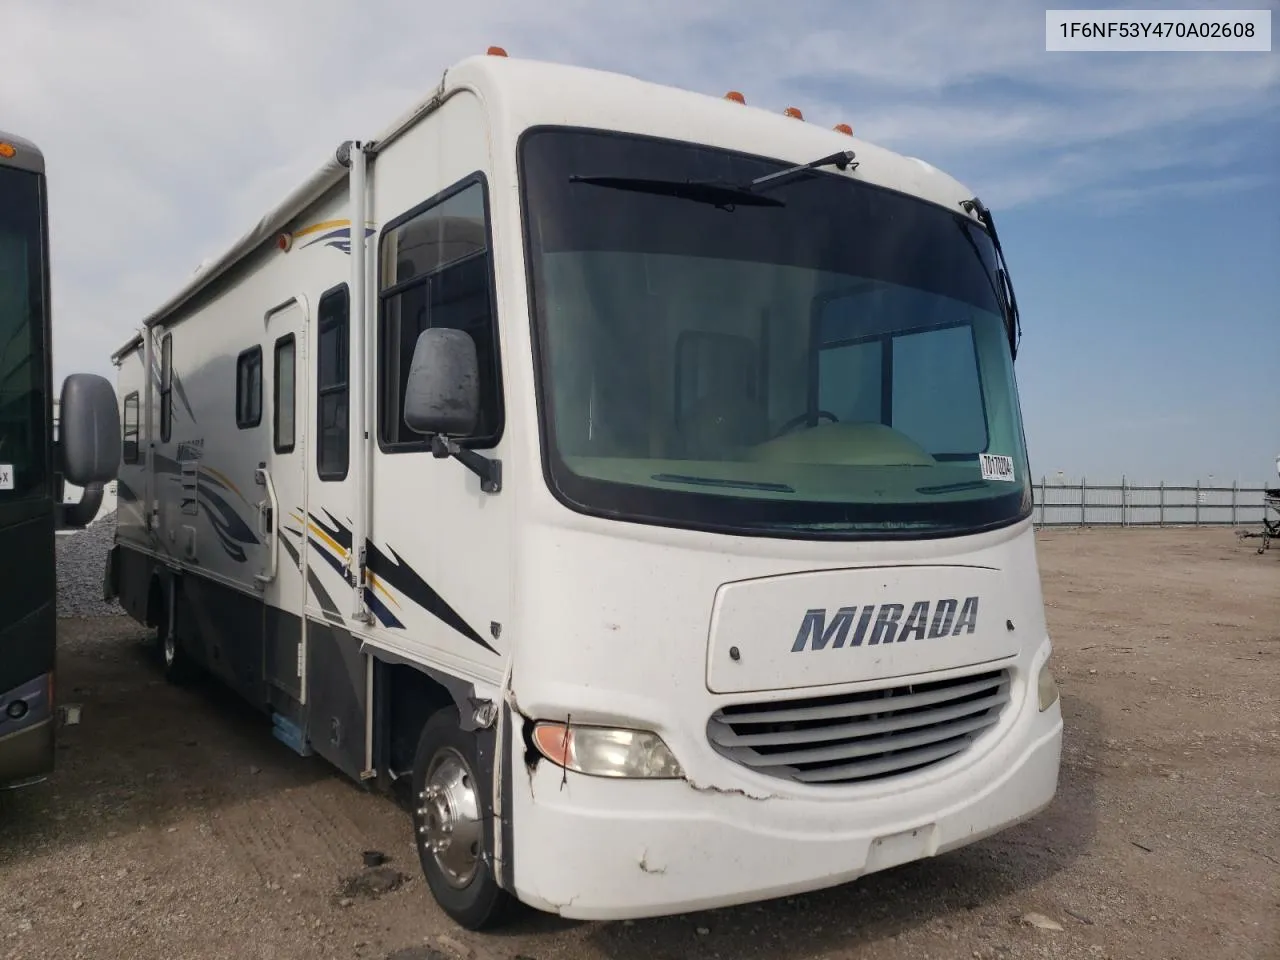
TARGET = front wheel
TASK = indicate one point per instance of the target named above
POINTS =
(448, 825)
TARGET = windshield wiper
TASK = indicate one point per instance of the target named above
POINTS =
(723, 196)
(841, 161)
(1002, 269)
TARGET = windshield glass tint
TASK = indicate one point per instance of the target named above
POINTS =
(832, 364)
(22, 366)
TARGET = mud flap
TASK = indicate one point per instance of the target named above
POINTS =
(110, 584)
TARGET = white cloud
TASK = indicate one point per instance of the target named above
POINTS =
(170, 127)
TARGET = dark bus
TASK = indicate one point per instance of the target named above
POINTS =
(33, 466)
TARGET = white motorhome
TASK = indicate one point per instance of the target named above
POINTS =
(638, 474)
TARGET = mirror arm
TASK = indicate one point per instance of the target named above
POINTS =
(489, 471)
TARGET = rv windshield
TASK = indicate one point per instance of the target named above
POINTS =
(22, 333)
(833, 364)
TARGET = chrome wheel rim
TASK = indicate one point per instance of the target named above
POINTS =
(449, 817)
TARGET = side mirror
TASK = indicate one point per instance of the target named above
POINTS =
(442, 396)
(89, 430)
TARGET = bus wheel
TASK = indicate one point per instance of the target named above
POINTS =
(448, 812)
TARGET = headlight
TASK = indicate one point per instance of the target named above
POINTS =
(606, 751)
(1048, 688)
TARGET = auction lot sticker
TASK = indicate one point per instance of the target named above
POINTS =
(996, 467)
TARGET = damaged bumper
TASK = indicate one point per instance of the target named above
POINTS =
(605, 849)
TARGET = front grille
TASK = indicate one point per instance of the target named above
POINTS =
(859, 737)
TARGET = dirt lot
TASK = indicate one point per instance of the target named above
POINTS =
(177, 828)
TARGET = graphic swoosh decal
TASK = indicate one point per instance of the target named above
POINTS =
(231, 529)
(398, 575)
(394, 571)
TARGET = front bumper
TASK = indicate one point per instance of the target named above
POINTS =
(599, 849)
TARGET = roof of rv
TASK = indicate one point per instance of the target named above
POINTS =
(528, 93)
(523, 93)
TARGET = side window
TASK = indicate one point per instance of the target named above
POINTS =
(129, 429)
(905, 359)
(249, 388)
(933, 364)
(332, 447)
(436, 271)
(166, 387)
(284, 399)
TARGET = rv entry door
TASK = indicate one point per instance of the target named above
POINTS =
(282, 510)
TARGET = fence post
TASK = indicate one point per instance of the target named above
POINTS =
(1235, 498)
(1083, 497)
(1124, 498)
(1197, 522)
(1042, 499)
(1162, 503)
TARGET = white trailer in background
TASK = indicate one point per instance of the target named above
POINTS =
(638, 474)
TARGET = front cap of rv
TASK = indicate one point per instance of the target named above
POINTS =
(634, 636)
(641, 650)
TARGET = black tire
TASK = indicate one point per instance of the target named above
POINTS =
(179, 669)
(470, 894)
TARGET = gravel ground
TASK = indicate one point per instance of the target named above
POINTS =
(82, 557)
(175, 827)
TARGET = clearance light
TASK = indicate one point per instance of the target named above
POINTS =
(7, 150)
(496, 52)
(284, 242)
(606, 751)
(843, 128)
(794, 112)
(735, 96)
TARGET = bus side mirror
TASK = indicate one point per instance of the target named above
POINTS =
(88, 430)
(442, 395)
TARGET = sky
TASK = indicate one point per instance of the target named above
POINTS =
(1137, 194)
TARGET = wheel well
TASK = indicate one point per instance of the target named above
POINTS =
(412, 699)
